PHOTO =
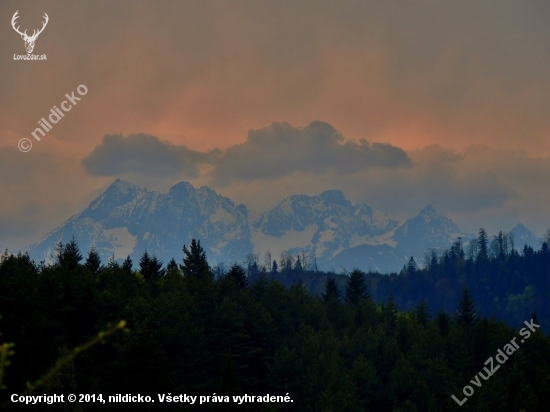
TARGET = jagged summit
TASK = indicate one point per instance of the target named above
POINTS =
(523, 236)
(335, 197)
(127, 219)
(123, 186)
(428, 229)
(429, 210)
(181, 189)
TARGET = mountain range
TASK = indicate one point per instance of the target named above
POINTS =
(331, 231)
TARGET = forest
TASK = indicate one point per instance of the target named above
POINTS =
(400, 342)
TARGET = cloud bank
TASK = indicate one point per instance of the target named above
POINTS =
(144, 154)
(281, 149)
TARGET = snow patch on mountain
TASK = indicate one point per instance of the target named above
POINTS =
(127, 219)
(122, 240)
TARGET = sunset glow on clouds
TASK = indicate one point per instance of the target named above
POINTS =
(426, 102)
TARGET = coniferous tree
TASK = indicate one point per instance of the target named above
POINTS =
(502, 242)
(71, 253)
(112, 263)
(68, 255)
(144, 263)
(172, 267)
(482, 244)
(151, 267)
(332, 293)
(156, 268)
(411, 267)
(356, 288)
(252, 264)
(195, 263)
(466, 314)
(238, 274)
(127, 265)
(422, 313)
(457, 249)
(93, 261)
(274, 268)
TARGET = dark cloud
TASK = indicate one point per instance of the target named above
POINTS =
(451, 181)
(281, 149)
(144, 154)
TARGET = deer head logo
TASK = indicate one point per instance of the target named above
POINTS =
(29, 40)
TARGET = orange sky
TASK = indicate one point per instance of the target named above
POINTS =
(470, 77)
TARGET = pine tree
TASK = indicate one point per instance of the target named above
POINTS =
(68, 255)
(411, 267)
(252, 264)
(127, 265)
(151, 267)
(144, 263)
(195, 263)
(156, 268)
(274, 268)
(112, 263)
(482, 242)
(238, 274)
(332, 293)
(422, 313)
(172, 267)
(356, 288)
(466, 314)
(93, 262)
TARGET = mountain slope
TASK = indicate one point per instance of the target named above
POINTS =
(127, 220)
(323, 225)
(428, 229)
(523, 236)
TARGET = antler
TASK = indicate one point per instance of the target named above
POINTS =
(35, 35)
(15, 17)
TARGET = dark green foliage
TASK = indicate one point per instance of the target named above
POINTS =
(389, 316)
(443, 323)
(422, 313)
(150, 267)
(127, 265)
(466, 314)
(195, 263)
(332, 293)
(93, 261)
(68, 256)
(356, 288)
(238, 275)
(112, 263)
(202, 337)
(144, 262)
(482, 244)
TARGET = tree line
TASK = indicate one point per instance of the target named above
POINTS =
(354, 346)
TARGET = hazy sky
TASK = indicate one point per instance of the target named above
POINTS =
(398, 104)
